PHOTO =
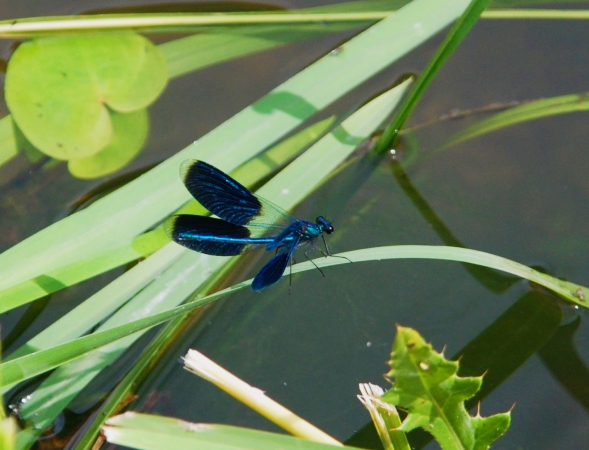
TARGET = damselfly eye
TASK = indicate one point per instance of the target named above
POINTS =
(325, 224)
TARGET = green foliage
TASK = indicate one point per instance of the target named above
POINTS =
(61, 91)
(7, 433)
(426, 385)
(129, 132)
(150, 432)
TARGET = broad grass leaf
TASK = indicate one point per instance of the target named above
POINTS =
(149, 432)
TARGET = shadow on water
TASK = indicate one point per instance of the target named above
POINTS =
(491, 279)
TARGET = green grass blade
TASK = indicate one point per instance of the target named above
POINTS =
(77, 272)
(530, 111)
(350, 12)
(450, 43)
(31, 365)
(150, 432)
(179, 22)
(552, 14)
(115, 219)
(569, 291)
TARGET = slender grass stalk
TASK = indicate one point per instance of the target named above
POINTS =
(466, 21)
(254, 398)
(29, 27)
(42, 361)
(552, 14)
(81, 23)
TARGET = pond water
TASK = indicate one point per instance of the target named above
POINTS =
(520, 192)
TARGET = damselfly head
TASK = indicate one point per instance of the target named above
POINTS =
(325, 224)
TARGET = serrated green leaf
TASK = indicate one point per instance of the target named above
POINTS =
(426, 385)
(62, 106)
(488, 429)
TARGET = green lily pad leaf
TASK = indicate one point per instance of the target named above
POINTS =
(61, 90)
(129, 134)
(427, 387)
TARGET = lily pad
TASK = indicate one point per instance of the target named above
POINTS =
(62, 91)
(129, 134)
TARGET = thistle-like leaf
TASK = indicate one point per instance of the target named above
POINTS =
(426, 385)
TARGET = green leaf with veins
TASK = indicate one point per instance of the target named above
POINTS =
(61, 90)
(426, 385)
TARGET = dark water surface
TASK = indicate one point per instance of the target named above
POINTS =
(520, 193)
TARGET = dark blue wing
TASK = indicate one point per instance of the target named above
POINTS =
(211, 236)
(272, 272)
(230, 200)
(219, 193)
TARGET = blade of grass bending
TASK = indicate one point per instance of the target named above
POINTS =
(149, 432)
(145, 244)
(176, 283)
(450, 43)
(115, 219)
(572, 292)
(530, 111)
(31, 365)
(168, 291)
